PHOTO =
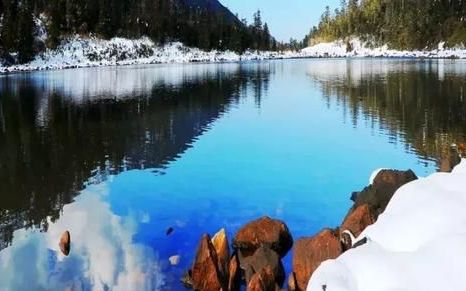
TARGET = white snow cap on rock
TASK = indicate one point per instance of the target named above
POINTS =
(417, 244)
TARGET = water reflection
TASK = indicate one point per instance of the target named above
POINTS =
(57, 127)
(119, 155)
(103, 255)
(420, 103)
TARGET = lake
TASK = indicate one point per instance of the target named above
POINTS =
(119, 155)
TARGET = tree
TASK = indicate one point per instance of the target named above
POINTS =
(25, 32)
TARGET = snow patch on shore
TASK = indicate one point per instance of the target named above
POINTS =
(361, 49)
(91, 52)
(416, 244)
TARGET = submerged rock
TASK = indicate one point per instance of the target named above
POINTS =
(65, 243)
(174, 260)
(268, 232)
(205, 275)
(309, 253)
(377, 195)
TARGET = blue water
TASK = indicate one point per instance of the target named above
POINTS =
(292, 152)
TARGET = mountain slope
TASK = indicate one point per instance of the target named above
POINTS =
(205, 24)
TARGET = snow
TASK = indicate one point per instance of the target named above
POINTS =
(79, 51)
(361, 49)
(416, 244)
(91, 52)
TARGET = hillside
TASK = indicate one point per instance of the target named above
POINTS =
(400, 24)
(205, 24)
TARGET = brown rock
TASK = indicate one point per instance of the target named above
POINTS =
(271, 233)
(381, 191)
(263, 281)
(292, 285)
(65, 243)
(309, 253)
(234, 279)
(205, 275)
(357, 220)
(262, 258)
(220, 243)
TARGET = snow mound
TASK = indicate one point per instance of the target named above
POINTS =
(357, 48)
(416, 244)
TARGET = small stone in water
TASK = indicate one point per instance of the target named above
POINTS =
(65, 243)
(169, 230)
(174, 260)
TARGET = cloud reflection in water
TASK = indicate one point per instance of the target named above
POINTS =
(103, 255)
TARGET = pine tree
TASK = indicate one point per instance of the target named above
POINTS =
(25, 32)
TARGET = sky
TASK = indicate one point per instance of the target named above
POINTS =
(285, 18)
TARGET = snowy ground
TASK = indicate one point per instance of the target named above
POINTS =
(92, 52)
(359, 49)
(417, 244)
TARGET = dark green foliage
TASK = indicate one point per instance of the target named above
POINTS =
(25, 31)
(402, 24)
(200, 23)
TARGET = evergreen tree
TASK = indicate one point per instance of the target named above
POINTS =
(25, 32)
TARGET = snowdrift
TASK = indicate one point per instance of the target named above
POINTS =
(416, 244)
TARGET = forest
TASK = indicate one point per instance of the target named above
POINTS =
(401, 24)
(205, 24)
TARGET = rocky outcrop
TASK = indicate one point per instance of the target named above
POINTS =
(377, 195)
(234, 274)
(263, 280)
(267, 232)
(357, 220)
(65, 243)
(309, 253)
(262, 258)
(222, 250)
(205, 275)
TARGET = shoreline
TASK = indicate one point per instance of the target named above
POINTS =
(4, 71)
(254, 256)
(92, 52)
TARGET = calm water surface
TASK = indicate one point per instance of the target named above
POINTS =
(119, 155)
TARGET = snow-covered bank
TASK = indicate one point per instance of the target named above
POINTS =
(91, 52)
(359, 49)
(416, 244)
(80, 52)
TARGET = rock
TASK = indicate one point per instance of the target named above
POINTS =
(271, 233)
(65, 243)
(263, 281)
(205, 275)
(309, 253)
(220, 243)
(187, 280)
(234, 279)
(357, 220)
(174, 260)
(262, 258)
(292, 285)
(381, 191)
